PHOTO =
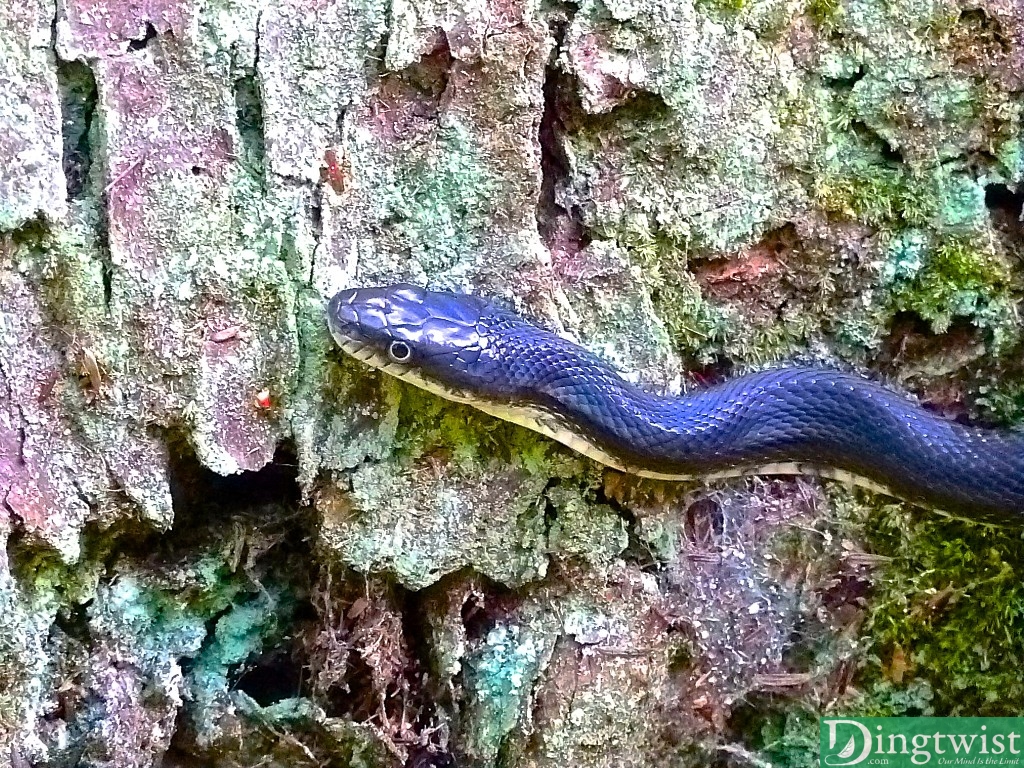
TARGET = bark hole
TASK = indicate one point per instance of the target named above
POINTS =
(560, 223)
(78, 106)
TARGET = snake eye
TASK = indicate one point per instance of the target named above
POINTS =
(399, 351)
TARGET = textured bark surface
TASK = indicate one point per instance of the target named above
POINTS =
(224, 544)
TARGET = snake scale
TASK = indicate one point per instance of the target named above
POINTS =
(795, 420)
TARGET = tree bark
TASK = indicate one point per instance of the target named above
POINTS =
(227, 545)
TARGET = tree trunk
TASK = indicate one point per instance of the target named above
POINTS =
(226, 544)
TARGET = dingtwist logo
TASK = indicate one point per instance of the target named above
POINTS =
(855, 749)
(913, 742)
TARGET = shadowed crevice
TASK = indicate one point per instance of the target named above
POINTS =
(559, 223)
(250, 124)
(78, 97)
(1005, 208)
(196, 489)
(139, 44)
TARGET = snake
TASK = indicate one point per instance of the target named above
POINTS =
(795, 420)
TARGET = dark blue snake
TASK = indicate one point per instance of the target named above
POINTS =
(783, 421)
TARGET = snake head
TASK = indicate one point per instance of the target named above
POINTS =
(431, 338)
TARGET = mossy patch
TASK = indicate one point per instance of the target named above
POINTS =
(950, 609)
(48, 580)
(879, 196)
(1011, 159)
(1002, 401)
(940, 279)
(779, 731)
(825, 13)
(695, 326)
(722, 6)
(500, 673)
(242, 630)
(432, 427)
(592, 532)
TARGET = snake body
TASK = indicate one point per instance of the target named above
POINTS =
(794, 420)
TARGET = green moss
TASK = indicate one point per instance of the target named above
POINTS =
(952, 601)
(953, 277)
(854, 333)
(593, 532)
(883, 698)
(962, 266)
(701, 330)
(1011, 160)
(825, 13)
(881, 197)
(48, 579)
(941, 25)
(240, 632)
(694, 326)
(1003, 401)
(154, 621)
(73, 279)
(963, 206)
(722, 6)
(788, 735)
(432, 426)
(774, 341)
